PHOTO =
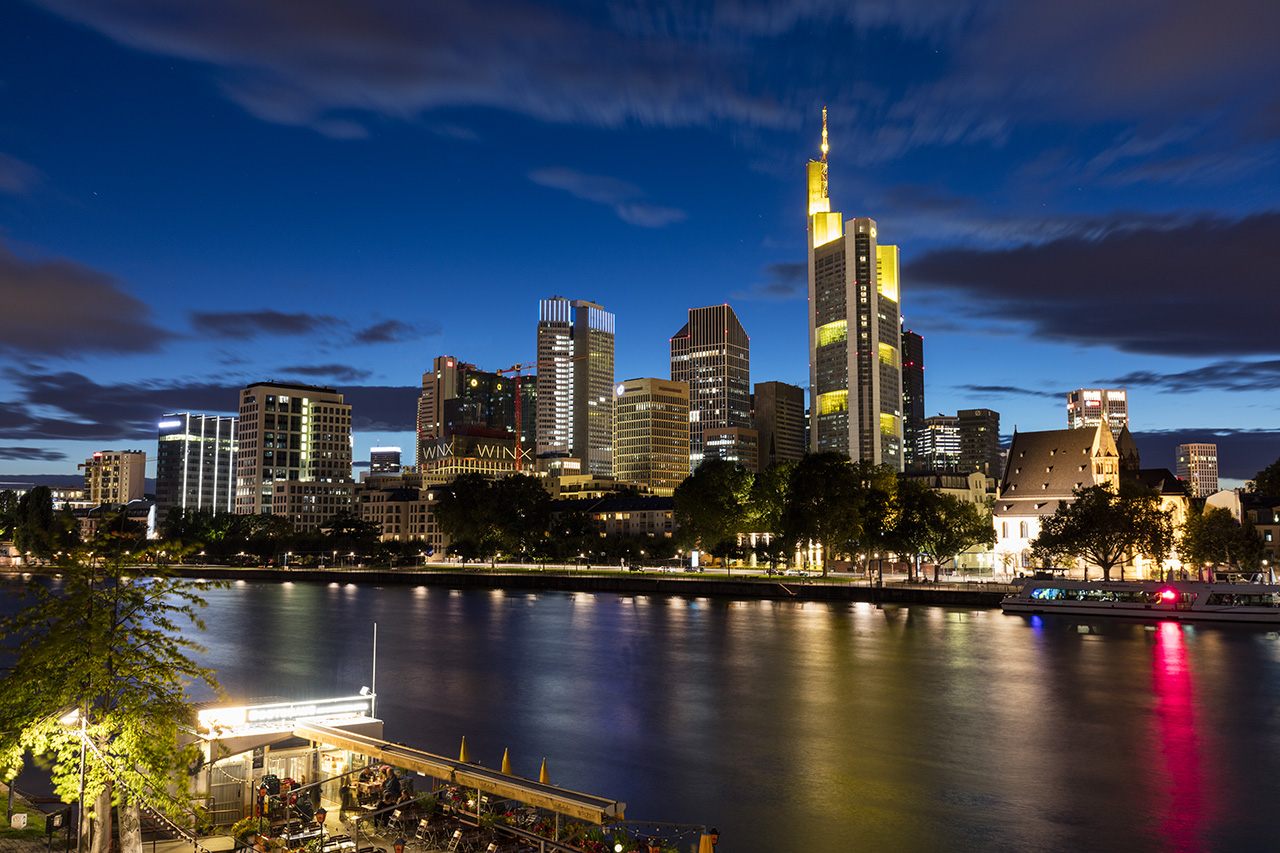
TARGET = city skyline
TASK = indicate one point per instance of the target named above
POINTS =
(185, 209)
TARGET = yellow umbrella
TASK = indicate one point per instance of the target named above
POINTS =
(544, 777)
(462, 755)
(506, 762)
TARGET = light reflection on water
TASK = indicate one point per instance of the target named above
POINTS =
(802, 725)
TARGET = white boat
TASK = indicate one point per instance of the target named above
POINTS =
(1181, 600)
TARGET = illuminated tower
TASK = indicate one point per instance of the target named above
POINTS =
(855, 363)
(712, 354)
(195, 463)
(1086, 407)
(575, 384)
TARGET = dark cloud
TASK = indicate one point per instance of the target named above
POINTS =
(394, 331)
(781, 282)
(17, 177)
(62, 308)
(383, 408)
(1008, 391)
(1200, 288)
(246, 325)
(333, 372)
(1219, 376)
(1241, 452)
(611, 192)
(33, 453)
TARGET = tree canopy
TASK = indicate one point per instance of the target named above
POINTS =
(1215, 537)
(711, 505)
(1105, 528)
(1267, 481)
(100, 667)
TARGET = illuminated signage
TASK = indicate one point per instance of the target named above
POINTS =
(169, 424)
(231, 718)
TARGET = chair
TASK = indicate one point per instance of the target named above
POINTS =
(455, 842)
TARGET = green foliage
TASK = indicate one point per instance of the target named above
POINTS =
(712, 506)
(250, 826)
(1267, 481)
(483, 516)
(937, 524)
(1216, 537)
(37, 529)
(103, 656)
(8, 514)
(1104, 528)
(823, 505)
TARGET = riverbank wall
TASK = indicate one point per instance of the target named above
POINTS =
(954, 595)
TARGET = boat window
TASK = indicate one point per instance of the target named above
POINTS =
(1244, 599)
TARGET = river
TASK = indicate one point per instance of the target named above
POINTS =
(804, 726)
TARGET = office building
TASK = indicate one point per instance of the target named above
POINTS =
(1087, 407)
(912, 398)
(651, 433)
(855, 360)
(779, 416)
(1197, 466)
(712, 355)
(467, 421)
(384, 460)
(196, 463)
(294, 457)
(575, 391)
(733, 444)
(939, 444)
(979, 441)
(115, 476)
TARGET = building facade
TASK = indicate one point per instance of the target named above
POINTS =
(1088, 407)
(912, 398)
(779, 417)
(738, 445)
(575, 392)
(651, 433)
(979, 441)
(855, 353)
(1197, 466)
(460, 400)
(196, 463)
(938, 446)
(712, 355)
(384, 460)
(294, 456)
(115, 476)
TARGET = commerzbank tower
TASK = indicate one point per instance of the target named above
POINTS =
(855, 349)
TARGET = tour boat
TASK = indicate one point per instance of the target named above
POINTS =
(1184, 600)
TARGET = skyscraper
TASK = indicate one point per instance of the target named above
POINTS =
(575, 383)
(912, 397)
(779, 418)
(651, 434)
(1087, 406)
(294, 458)
(939, 444)
(1198, 468)
(467, 420)
(384, 460)
(855, 363)
(195, 464)
(712, 354)
(980, 441)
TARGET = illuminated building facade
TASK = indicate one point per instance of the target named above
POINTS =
(778, 414)
(939, 444)
(712, 355)
(733, 444)
(196, 463)
(476, 407)
(855, 355)
(115, 476)
(575, 393)
(294, 456)
(1197, 466)
(912, 398)
(1086, 407)
(651, 433)
(384, 460)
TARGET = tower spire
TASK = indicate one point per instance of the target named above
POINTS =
(824, 134)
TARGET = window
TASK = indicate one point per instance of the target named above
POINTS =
(1022, 529)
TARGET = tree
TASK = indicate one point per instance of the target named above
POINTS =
(1103, 527)
(959, 526)
(711, 506)
(824, 505)
(524, 514)
(877, 506)
(34, 524)
(1267, 481)
(8, 514)
(770, 493)
(100, 666)
(1216, 537)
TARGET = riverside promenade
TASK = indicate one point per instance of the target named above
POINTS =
(570, 579)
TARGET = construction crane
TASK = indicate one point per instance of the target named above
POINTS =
(515, 371)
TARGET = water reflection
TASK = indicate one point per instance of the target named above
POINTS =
(1182, 792)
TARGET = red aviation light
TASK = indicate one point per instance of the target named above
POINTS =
(1168, 595)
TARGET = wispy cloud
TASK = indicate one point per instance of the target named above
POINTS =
(1240, 376)
(623, 197)
(246, 325)
(782, 281)
(17, 177)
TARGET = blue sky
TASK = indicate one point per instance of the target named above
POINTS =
(201, 195)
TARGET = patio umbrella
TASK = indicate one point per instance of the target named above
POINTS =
(463, 755)
(544, 777)
(506, 762)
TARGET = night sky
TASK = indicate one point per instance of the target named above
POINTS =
(197, 195)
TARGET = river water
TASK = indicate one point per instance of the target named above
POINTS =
(799, 725)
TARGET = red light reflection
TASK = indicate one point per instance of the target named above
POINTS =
(1182, 790)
